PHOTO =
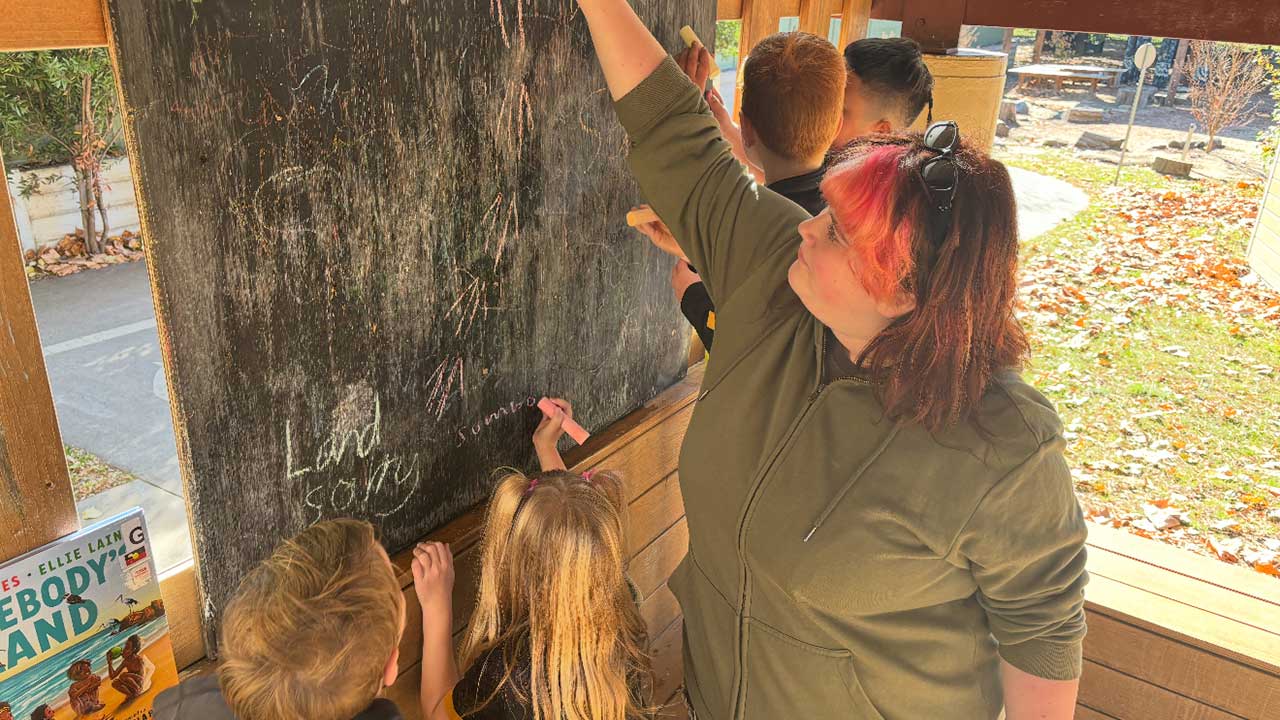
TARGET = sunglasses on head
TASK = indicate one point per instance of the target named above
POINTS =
(939, 173)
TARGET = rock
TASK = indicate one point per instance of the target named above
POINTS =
(1098, 141)
(1196, 144)
(1086, 115)
(1002, 129)
(1022, 108)
(1169, 166)
(1054, 144)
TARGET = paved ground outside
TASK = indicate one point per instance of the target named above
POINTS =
(103, 356)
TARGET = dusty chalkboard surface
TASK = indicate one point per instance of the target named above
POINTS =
(377, 231)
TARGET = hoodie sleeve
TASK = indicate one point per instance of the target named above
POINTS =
(1025, 545)
(723, 220)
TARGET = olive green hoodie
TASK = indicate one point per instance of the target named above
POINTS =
(842, 565)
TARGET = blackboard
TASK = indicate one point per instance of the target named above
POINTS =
(376, 232)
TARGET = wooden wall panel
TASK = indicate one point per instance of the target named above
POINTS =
(36, 505)
(1264, 248)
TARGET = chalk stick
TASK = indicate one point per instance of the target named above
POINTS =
(690, 37)
(573, 429)
(641, 216)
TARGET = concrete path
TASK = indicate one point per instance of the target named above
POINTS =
(1044, 202)
(98, 330)
(103, 355)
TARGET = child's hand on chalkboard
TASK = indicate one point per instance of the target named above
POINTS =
(660, 235)
(548, 434)
(682, 276)
(433, 581)
(696, 62)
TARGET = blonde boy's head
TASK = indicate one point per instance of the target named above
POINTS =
(313, 631)
(793, 94)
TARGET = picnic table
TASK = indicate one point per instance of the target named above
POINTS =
(1061, 74)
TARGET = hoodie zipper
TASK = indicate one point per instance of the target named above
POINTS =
(744, 583)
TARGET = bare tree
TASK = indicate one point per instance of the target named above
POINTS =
(1225, 81)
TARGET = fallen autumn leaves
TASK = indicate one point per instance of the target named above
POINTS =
(1161, 348)
(69, 255)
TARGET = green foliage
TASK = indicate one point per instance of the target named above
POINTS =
(728, 38)
(40, 103)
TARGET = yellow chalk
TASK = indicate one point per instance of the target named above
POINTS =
(641, 216)
(690, 37)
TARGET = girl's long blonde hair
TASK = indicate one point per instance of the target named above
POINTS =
(554, 579)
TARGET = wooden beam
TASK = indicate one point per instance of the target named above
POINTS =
(36, 505)
(935, 24)
(1244, 21)
(40, 24)
(44, 25)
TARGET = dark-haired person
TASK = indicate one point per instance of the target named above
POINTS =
(888, 87)
(881, 521)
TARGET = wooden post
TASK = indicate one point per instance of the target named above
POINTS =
(855, 16)
(759, 20)
(1175, 75)
(1039, 47)
(815, 17)
(36, 505)
(1007, 45)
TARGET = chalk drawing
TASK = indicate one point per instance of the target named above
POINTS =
(349, 469)
(447, 374)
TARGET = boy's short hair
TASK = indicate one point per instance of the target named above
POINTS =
(893, 73)
(793, 93)
(310, 629)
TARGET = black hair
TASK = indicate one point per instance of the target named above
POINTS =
(893, 67)
(39, 712)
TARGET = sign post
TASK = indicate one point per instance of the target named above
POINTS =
(1144, 59)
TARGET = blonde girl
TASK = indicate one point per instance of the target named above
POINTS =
(555, 634)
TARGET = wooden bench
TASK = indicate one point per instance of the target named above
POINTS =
(1061, 74)
(644, 449)
(1176, 635)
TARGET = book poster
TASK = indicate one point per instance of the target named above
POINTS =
(83, 632)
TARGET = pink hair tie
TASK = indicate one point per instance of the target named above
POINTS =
(587, 475)
(532, 484)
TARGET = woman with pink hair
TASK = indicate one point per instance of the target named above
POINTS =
(881, 521)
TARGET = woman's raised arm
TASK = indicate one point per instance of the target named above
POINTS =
(628, 52)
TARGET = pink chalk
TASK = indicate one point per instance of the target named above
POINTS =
(574, 430)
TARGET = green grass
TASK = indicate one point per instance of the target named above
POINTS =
(1145, 423)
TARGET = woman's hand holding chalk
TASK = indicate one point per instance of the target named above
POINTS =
(690, 37)
(573, 429)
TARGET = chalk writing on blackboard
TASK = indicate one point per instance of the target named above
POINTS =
(475, 429)
(349, 470)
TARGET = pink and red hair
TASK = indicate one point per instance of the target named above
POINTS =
(933, 364)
